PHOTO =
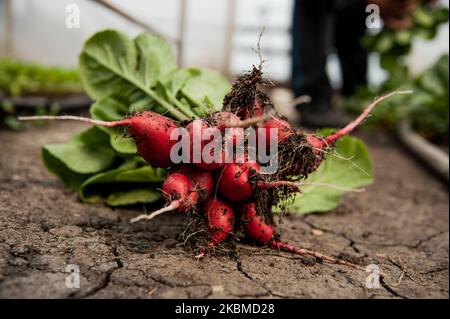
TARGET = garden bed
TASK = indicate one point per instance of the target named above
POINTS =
(400, 223)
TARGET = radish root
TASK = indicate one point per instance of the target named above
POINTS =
(74, 118)
(300, 251)
(355, 123)
(174, 205)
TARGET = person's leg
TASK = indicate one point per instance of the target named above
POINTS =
(350, 27)
(309, 51)
(311, 33)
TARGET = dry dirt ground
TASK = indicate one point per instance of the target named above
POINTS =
(401, 223)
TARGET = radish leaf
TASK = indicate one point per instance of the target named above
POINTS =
(131, 175)
(347, 166)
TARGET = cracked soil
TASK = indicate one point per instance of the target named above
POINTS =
(400, 223)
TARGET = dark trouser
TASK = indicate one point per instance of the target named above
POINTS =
(319, 25)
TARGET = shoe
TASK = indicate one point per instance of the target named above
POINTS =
(321, 115)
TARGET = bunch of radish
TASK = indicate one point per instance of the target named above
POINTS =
(231, 195)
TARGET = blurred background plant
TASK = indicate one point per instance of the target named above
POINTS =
(428, 107)
(18, 78)
(23, 79)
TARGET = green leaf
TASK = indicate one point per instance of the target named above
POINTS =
(57, 167)
(123, 144)
(207, 88)
(108, 63)
(129, 176)
(108, 109)
(441, 15)
(111, 64)
(145, 174)
(132, 197)
(86, 153)
(111, 109)
(348, 167)
(442, 67)
(426, 34)
(156, 58)
(179, 78)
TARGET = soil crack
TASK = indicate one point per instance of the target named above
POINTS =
(105, 281)
(391, 290)
(269, 292)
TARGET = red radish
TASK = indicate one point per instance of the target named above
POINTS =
(184, 187)
(203, 181)
(221, 119)
(150, 130)
(221, 219)
(224, 122)
(197, 130)
(235, 135)
(321, 143)
(212, 166)
(256, 229)
(179, 190)
(235, 181)
(283, 127)
(315, 141)
(258, 108)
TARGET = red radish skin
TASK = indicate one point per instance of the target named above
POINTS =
(283, 127)
(234, 134)
(203, 181)
(180, 187)
(212, 166)
(196, 134)
(234, 181)
(316, 142)
(222, 119)
(177, 188)
(150, 130)
(254, 227)
(221, 219)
